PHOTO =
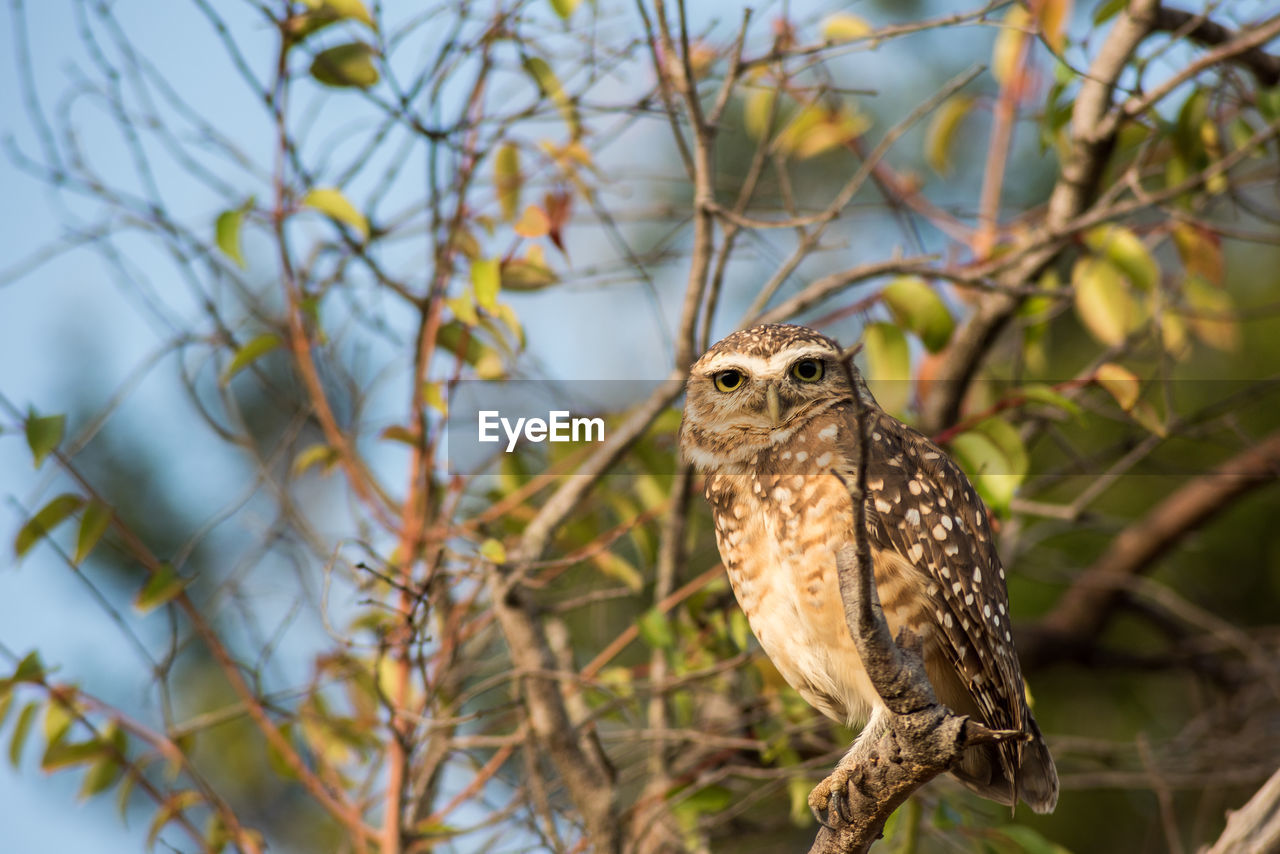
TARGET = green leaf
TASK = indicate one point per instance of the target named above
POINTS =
(20, 731)
(227, 231)
(57, 720)
(163, 585)
(493, 551)
(508, 180)
(331, 202)
(1029, 841)
(30, 669)
(1103, 301)
(348, 65)
(1126, 251)
(1120, 382)
(918, 307)
(64, 754)
(104, 773)
(1108, 10)
(486, 280)
(93, 524)
(344, 9)
(942, 131)
(994, 459)
(45, 520)
(44, 434)
(655, 629)
(888, 365)
(254, 349)
(170, 809)
(708, 799)
(1040, 393)
(550, 86)
(617, 567)
(525, 274)
(565, 8)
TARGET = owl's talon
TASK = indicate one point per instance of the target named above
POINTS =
(829, 800)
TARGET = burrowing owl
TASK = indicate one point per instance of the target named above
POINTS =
(768, 418)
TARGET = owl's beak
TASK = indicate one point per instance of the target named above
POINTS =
(773, 404)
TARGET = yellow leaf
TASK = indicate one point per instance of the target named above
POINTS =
(1103, 301)
(1212, 315)
(533, 223)
(1120, 382)
(331, 202)
(843, 27)
(318, 454)
(507, 179)
(1200, 251)
(888, 365)
(485, 281)
(252, 350)
(1008, 46)
(493, 551)
(942, 130)
(815, 130)
(757, 111)
(1052, 16)
(551, 87)
(1127, 252)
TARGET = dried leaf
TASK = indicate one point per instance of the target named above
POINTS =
(533, 223)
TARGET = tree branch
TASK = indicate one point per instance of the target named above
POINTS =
(1198, 28)
(1084, 609)
(1256, 825)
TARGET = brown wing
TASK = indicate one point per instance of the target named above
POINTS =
(921, 507)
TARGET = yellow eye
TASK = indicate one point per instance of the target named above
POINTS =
(807, 370)
(728, 380)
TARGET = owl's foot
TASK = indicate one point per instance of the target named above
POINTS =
(829, 800)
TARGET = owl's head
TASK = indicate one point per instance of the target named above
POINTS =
(754, 389)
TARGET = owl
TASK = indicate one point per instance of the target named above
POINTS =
(769, 421)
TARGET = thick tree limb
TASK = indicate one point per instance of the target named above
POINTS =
(1256, 825)
(1264, 66)
(1084, 609)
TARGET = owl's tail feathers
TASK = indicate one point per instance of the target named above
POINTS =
(1038, 778)
(980, 770)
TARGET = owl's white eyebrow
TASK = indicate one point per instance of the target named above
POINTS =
(757, 366)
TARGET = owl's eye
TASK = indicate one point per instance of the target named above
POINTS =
(728, 380)
(807, 370)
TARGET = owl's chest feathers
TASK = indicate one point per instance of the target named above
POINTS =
(778, 534)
